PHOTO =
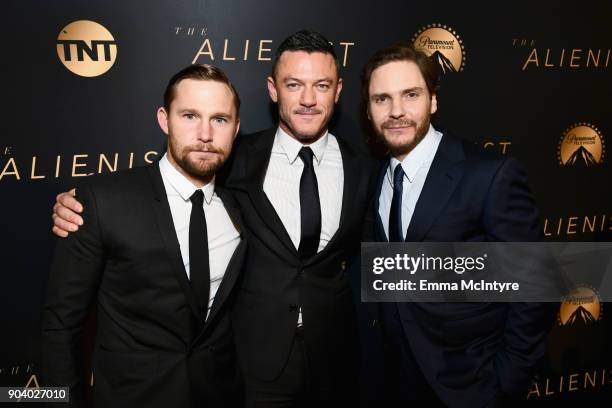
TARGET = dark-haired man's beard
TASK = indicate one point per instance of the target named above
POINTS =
(199, 167)
(403, 148)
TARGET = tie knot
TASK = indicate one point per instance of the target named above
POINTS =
(398, 176)
(197, 198)
(306, 156)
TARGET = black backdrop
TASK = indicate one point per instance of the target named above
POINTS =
(518, 90)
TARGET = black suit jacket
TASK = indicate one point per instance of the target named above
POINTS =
(152, 348)
(471, 353)
(276, 282)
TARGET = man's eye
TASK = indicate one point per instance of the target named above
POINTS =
(189, 116)
(220, 120)
(292, 85)
(380, 99)
(412, 95)
(323, 87)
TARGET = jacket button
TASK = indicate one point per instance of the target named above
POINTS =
(212, 348)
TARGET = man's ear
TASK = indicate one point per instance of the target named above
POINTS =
(162, 119)
(272, 89)
(434, 104)
(338, 90)
(237, 129)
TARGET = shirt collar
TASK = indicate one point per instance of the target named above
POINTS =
(423, 153)
(181, 184)
(291, 147)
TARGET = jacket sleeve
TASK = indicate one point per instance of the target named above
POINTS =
(512, 216)
(72, 287)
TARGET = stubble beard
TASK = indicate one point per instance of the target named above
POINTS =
(305, 137)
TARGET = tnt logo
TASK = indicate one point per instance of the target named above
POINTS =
(86, 48)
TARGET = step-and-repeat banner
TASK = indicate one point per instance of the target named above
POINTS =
(82, 81)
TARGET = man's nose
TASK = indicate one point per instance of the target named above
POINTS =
(397, 109)
(205, 132)
(308, 97)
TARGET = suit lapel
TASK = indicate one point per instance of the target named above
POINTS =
(257, 165)
(168, 234)
(235, 264)
(444, 174)
(379, 230)
(231, 206)
(352, 176)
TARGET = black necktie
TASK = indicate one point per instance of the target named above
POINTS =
(199, 269)
(395, 215)
(310, 207)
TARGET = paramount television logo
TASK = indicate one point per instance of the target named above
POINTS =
(582, 145)
(581, 307)
(443, 45)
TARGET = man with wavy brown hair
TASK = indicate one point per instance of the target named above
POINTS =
(435, 187)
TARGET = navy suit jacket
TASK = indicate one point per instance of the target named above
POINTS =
(471, 353)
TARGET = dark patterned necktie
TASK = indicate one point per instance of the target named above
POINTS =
(395, 215)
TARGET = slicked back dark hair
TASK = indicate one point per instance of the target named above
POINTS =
(308, 41)
(199, 72)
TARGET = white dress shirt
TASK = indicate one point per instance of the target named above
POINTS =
(282, 185)
(416, 165)
(223, 238)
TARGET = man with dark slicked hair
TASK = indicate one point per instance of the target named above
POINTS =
(303, 193)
